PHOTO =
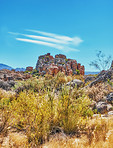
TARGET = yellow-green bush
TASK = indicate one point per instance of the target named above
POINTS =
(31, 112)
(72, 112)
(37, 114)
(37, 109)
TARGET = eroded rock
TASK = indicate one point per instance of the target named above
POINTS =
(109, 98)
(103, 107)
(52, 65)
(89, 78)
(74, 83)
(103, 76)
(6, 85)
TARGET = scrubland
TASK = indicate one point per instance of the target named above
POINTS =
(44, 112)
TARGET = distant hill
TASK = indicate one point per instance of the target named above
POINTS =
(89, 72)
(20, 69)
(3, 66)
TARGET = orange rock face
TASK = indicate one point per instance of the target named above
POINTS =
(60, 56)
(29, 68)
(50, 65)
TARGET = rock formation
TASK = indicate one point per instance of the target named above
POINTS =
(29, 68)
(7, 75)
(103, 76)
(111, 65)
(50, 65)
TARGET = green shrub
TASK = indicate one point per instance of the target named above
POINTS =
(110, 83)
(72, 112)
(78, 72)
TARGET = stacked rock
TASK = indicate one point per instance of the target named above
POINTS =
(50, 65)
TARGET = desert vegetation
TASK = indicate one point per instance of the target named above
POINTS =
(43, 111)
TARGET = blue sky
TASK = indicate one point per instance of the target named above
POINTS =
(76, 28)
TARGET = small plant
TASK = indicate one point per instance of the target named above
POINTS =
(110, 83)
(78, 72)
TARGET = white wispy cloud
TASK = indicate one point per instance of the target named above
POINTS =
(61, 42)
(64, 48)
(45, 38)
(66, 39)
(40, 42)
(51, 35)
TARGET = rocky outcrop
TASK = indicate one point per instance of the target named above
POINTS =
(112, 65)
(89, 78)
(103, 107)
(7, 75)
(103, 76)
(110, 113)
(29, 68)
(74, 83)
(109, 98)
(50, 65)
(8, 78)
(6, 85)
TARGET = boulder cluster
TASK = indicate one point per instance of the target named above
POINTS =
(8, 75)
(47, 64)
(105, 104)
(8, 78)
(103, 76)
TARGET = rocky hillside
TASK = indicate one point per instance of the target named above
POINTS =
(50, 65)
(8, 78)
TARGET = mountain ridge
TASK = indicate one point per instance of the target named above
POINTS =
(4, 66)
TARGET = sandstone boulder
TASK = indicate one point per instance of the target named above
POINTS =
(7, 75)
(6, 85)
(89, 78)
(74, 83)
(110, 113)
(104, 76)
(109, 98)
(29, 68)
(111, 65)
(103, 107)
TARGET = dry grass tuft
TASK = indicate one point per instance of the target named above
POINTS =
(100, 134)
(6, 94)
(99, 91)
(18, 140)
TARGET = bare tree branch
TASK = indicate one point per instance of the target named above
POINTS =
(102, 62)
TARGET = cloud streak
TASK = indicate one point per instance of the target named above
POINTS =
(40, 42)
(45, 39)
(51, 35)
(64, 48)
(61, 42)
(75, 40)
